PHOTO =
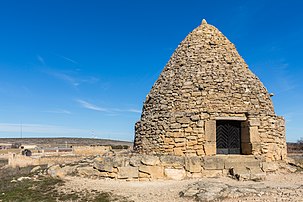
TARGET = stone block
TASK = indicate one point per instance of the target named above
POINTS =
(143, 175)
(210, 130)
(254, 134)
(195, 117)
(175, 126)
(270, 166)
(180, 144)
(254, 122)
(128, 172)
(87, 171)
(105, 165)
(150, 160)
(239, 162)
(200, 152)
(198, 130)
(178, 152)
(188, 130)
(196, 94)
(212, 173)
(156, 172)
(193, 164)
(210, 148)
(183, 120)
(174, 174)
(200, 124)
(135, 161)
(246, 148)
(180, 139)
(246, 173)
(213, 163)
(172, 161)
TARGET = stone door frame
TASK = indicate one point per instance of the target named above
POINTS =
(247, 134)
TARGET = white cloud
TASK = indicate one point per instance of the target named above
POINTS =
(91, 106)
(134, 111)
(59, 111)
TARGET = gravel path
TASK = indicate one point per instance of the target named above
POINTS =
(276, 187)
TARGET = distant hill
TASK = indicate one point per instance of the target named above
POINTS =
(64, 141)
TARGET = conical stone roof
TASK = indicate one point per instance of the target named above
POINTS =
(207, 73)
(204, 77)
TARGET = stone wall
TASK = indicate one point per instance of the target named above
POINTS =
(91, 150)
(18, 160)
(151, 167)
(204, 81)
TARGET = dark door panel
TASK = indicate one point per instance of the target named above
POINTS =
(228, 137)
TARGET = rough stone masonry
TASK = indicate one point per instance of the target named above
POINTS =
(206, 82)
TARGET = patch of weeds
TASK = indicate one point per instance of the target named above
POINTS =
(28, 190)
(46, 189)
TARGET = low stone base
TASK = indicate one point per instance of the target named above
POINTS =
(150, 167)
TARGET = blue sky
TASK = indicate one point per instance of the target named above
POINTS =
(71, 68)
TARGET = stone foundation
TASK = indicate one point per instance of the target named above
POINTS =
(152, 167)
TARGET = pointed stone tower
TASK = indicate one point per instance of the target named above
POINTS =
(207, 102)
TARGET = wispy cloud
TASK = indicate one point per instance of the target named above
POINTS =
(110, 111)
(59, 111)
(64, 77)
(40, 59)
(134, 111)
(71, 79)
(90, 106)
(69, 59)
(126, 110)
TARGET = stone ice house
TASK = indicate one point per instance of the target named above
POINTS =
(207, 102)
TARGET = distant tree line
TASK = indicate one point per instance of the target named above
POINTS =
(295, 147)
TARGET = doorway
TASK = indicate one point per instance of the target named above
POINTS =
(228, 137)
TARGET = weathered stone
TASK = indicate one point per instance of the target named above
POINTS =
(240, 161)
(61, 172)
(183, 120)
(128, 172)
(172, 161)
(193, 164)
(200, 124)
(213, 163)
(195, 118)
(175, 126)
(35, 169)
(270, 166)
(135, 161)
(105, 164)
(150, 160)
(246, 173)
(178, 152)
(210, 131)
(156, 172)
(210, 149)
(212, 173)
(174, 174)
(87, 171)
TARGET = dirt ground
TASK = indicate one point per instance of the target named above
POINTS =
(169, 190)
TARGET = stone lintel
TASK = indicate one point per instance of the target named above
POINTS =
(234, 118)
